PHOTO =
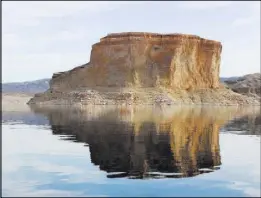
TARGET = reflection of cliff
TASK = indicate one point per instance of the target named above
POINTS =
(249, 125)
(140, 142)
(23, 117)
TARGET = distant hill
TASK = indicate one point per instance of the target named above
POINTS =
(223, 79)
(35, 86)
(248, 84)
(42, 85)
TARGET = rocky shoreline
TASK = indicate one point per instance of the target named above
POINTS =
(15, 101)
(142, 96)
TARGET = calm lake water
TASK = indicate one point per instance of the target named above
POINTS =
(131, 151)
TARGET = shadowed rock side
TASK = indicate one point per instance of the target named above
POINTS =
(145, 68)
(142, 142)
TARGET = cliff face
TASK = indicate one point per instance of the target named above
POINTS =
(145, 68)
(147, 60)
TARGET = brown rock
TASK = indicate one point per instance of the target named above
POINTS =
(248, 84)
(148, 69)
(147, 60)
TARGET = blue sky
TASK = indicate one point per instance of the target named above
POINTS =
(40, 38)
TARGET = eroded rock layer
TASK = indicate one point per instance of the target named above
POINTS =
(145, 68)
(147, 60)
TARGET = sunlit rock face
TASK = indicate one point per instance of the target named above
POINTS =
(145, 68)
(147, 60)
(146, 142)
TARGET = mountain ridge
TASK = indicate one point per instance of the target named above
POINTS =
(34, 86)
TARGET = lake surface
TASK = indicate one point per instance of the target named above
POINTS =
(131, 151)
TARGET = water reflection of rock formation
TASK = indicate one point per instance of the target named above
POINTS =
(140, 142)
(246, 125)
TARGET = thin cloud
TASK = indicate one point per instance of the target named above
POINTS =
(253, 17)
(30, 13)
(244, 21)
(202, 5)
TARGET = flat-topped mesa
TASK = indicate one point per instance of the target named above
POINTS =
(145, 35)
(115, 38)
(139, 59)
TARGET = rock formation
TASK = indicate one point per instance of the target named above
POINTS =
(249, 84)
(147, 60)
(138, 67)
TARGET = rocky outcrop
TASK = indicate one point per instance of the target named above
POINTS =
(248, 85)
(138, 68)
(147, 60)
